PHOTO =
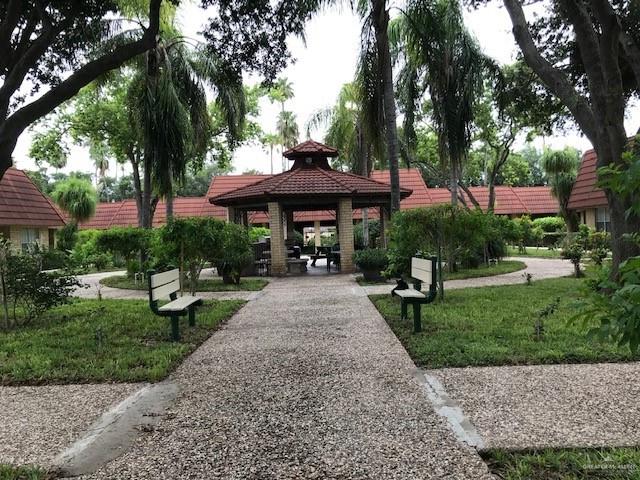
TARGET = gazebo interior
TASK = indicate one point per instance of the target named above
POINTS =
(309, 185)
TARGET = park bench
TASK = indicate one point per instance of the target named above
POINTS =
(167, 284)
(423, 271)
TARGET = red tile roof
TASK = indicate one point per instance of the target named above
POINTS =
(585, 193)
(307, 181)
(22, 203)
(125, 213)
(310, 148)
(509, 200)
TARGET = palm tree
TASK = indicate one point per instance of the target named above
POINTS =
(281, 91)
(168, 93)
(77, 197)
(441, 54)
(287, 128)
(270, 140)
(561, 169)
(357, 141)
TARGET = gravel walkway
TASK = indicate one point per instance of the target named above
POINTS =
(549, 405)
(305, 382)
(39, 422)
(91, 286)
(541, 268)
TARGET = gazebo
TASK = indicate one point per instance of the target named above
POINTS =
(310, 184)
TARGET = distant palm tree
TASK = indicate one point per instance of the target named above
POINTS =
(287, 128)
(282, 91)
(561, 169)
(77, 197)
(271, 140)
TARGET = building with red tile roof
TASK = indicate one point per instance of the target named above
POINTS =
(26, 214)
(512, 201)
(586, 198)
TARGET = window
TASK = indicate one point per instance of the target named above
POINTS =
(603, 221)
(30, 236)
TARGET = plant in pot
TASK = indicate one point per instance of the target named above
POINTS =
(371, 262)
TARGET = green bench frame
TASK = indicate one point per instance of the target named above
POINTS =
(167, 284)
(423, 270)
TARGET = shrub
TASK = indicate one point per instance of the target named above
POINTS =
(191, 242)
(236, 253)
(550, 224)
(256, 232)
(573, 251)
(455, 234)
(528, 233)
(26, 289)
(371, 259)
(86, 252)
(66, 237)
(616, 305)
(127, 242)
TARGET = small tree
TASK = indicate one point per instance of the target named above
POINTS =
(193, 241)
(236, 253)
(126, 242)
(573, 251)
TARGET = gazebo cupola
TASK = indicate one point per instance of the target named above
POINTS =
(310, 154)
(310, 184)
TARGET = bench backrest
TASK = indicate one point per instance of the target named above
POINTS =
(163, 284)
(423, 269)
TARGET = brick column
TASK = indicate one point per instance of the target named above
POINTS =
(345, 234)
(317, 234)
(278, 251)
(384, 226)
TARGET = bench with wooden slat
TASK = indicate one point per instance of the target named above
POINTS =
(423, 273)
(167, 285)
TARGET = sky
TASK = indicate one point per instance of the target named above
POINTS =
(325, 62)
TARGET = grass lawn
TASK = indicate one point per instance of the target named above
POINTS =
(7, 472)
(495, 326)
(534, 252)
(206, 285)
(566, 464)
(103, 341)
(506, 266)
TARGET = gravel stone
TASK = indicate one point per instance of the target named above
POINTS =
(305, 382)
(39, 422)
(549, 405)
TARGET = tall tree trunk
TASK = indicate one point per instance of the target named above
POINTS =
(381, 24)
(146, 215)
(454, 184)
(137, 186)
(492, 196)
(169, 206)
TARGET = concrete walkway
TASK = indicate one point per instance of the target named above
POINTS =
(91, 286)
(307, 381)
(540, 268)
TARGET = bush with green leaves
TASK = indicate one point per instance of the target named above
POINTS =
(255, 233)
(528, 234)
(66, 237)
(456, 235)
(573, 251)
(87, 254)
(616, 305)
(371, 259)
(553, 230)
(126, 242)
(236, 253)
(26, 290)
(191, 242)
